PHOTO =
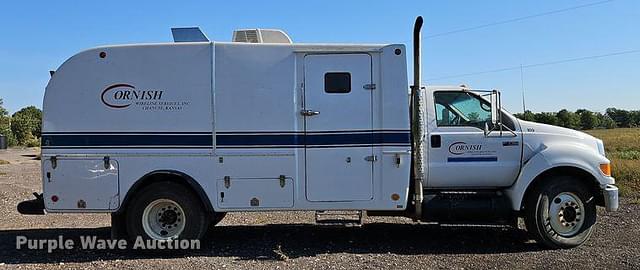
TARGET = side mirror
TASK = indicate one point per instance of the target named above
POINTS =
(495, 107)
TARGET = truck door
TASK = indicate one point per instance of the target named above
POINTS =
(338, 127)
(460, 155)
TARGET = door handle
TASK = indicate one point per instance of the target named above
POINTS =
(309, 112)
(436, 141)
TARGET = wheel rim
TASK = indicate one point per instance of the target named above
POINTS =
(566, 214)
(163, 219)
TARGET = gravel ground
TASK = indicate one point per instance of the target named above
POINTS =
(291, 240)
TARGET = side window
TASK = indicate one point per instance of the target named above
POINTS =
(337, 82)
(461, 109)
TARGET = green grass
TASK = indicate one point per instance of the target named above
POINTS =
(622, 146)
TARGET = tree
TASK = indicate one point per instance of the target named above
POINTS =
(5, 125)
(634, 117)
(546, 118)
(526, 116)
(620, 116)
(568, 119)
(588, 120)
(606, 121)
(26, 125)
(3, 111)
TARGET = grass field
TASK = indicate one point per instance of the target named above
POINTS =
(622, 146)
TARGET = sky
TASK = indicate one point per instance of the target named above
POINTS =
(37, 36)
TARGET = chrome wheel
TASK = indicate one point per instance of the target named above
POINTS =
(566, 214)
(163, 219)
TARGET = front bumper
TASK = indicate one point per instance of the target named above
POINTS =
(610, 194)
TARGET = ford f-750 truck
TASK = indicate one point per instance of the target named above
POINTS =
(170, 137)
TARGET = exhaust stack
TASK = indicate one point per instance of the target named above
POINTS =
(417, 122)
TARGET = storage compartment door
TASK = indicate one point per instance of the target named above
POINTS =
(80, 184)
(255, 192)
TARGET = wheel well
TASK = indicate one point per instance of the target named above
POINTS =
(167, 175)
(581, 174)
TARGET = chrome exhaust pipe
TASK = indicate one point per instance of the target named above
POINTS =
(417, 123)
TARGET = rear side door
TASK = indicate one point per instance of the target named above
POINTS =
(338, 127)
(460, 154)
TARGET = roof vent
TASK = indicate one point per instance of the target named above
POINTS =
(188, 34)
(261, 36)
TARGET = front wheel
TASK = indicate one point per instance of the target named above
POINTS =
(560, 213)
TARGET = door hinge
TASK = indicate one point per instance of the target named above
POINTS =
(369, 86)
(373, 158)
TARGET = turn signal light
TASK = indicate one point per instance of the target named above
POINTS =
(606, 169)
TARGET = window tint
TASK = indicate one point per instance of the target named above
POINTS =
(461, 109)
(337, 82)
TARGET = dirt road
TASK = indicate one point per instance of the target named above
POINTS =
(290, 240)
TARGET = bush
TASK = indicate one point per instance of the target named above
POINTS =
(5, 129)
(32, 142)
(26, 124)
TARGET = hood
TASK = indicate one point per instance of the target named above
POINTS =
(536, 135)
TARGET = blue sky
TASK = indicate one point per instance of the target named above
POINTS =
(37, 36)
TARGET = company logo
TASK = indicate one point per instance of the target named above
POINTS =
(459, 148)
(122, 95)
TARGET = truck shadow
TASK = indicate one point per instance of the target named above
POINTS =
(280, 242)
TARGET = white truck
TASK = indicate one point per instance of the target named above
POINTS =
(170, 137)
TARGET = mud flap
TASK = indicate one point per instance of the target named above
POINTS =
(32, 207)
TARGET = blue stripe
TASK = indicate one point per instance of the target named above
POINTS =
(472, 159)
(127, 140)
(230, 140)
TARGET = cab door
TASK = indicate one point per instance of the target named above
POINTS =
(338, 127)
(460, 155)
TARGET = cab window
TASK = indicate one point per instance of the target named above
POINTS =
(461, 109)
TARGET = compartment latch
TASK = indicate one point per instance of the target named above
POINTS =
(54, 162)
(227, 181)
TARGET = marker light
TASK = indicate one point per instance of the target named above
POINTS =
(606, 169)
(54, 198)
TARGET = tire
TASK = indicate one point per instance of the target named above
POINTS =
(560, 212)
(166, 211)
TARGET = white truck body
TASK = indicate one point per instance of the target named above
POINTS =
(280, 126)
(216, 110)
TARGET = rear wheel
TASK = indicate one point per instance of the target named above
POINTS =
(560, 212)
(166, 211)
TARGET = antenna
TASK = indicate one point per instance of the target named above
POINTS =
(524, 106)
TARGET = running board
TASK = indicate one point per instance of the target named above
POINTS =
(333, 217)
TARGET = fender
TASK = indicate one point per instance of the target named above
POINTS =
(554, 155)
(184, 178)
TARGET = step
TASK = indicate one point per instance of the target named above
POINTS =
(339, 217)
